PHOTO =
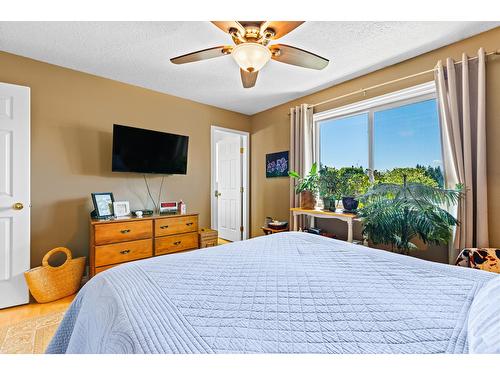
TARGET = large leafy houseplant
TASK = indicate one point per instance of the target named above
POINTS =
(397, 214)
(307, 186)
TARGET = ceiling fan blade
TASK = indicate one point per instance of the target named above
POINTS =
(227, 25)
(204, 54)
(296, 56)
(248, 78)
(281, 28)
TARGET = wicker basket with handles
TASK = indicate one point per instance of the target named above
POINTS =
(47, 283)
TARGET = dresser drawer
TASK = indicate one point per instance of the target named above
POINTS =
(172, 244)
(123, 252)
(175, 225)
(124, 231)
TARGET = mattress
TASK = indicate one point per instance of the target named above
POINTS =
(284, 293)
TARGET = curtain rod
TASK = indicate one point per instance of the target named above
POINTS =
(362, 91)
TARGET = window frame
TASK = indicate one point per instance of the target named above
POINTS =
(410, 95)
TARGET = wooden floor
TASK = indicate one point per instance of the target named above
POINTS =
(17, 314)
(28, 329)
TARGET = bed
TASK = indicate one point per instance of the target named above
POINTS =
(283, 293)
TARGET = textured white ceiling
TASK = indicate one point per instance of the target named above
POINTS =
(138, 53)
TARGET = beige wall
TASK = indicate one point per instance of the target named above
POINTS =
(270, 129)
(72, 115)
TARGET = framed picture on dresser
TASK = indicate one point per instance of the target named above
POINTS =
(103, 205)
(121, 208)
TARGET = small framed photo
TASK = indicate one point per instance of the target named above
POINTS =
(121, 208)
(103, 205)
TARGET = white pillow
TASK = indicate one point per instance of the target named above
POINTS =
(483, 327)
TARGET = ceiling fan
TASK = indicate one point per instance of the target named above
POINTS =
(252, 49)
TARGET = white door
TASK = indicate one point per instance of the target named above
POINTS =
(229, 188)
(14, 193)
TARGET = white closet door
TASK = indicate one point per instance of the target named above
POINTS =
(14, 193)
(229, 184)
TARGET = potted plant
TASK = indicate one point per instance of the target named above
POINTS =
(307, 187)
(355, 182)
(330, 186)
(396, 214)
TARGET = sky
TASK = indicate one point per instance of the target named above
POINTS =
(403, 137)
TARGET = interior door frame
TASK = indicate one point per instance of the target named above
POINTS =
(21, 192)
(245, 163)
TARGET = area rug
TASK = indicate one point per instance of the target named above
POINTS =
(30, 336)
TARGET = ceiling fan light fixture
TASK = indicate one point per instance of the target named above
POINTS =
(251, 56)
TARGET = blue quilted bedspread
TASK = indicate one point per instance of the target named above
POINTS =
(283, 293)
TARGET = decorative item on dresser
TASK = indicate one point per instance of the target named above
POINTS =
(103, 205)
(121, 208)
(113, 242)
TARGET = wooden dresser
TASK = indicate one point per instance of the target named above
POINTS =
(117, 241)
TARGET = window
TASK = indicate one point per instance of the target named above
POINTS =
(344, 141)
(398, 130)
(407, 135)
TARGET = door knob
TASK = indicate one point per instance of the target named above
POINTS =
(18, 206)
(217, 194)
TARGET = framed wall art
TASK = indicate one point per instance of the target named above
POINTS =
(277, 164)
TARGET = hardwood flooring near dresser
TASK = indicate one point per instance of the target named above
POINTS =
(28, 329)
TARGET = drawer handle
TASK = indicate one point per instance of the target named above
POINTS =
(190, 223)
(125, 231)
(164, 227)
(124, 252)
(177, 242)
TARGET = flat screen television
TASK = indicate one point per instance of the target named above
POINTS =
(148, 151)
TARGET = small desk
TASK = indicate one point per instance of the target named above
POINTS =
(323, 214)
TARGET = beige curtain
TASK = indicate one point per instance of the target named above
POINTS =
(302, 152)
(462, 99)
